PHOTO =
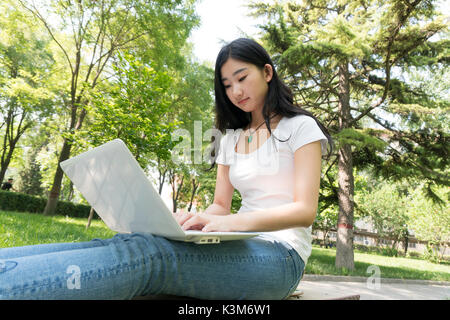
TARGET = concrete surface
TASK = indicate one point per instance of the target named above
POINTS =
(314, 287)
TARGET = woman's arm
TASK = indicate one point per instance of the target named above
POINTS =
(221, 205)
(300, 213)
(223, 193)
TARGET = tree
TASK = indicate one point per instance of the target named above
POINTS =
(30, 176)
(345, 61)
(387, 211)
(25, 93)
(89, 34)
(177, 181)
(430, 221)
(192, 101)
(135, 109)
(325, 221)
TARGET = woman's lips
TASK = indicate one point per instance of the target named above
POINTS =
(243, 101)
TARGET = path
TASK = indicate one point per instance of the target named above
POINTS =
(333, 287)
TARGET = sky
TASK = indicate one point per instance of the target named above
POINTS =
(220, 20)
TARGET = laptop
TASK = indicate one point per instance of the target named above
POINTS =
(114, 184)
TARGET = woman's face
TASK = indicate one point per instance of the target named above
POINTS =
(245, 84)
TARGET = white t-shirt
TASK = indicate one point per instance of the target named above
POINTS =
(265, 177)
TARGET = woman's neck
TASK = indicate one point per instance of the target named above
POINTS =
(258, 119)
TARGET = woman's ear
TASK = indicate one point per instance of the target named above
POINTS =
(268, 72)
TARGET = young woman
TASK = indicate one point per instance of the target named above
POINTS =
(271, 153)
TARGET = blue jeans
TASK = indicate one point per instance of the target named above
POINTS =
(130, 265)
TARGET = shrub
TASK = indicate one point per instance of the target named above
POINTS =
(16, 201)
(414, 254)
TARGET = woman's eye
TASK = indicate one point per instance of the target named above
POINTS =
(227, 86)
(242, 79)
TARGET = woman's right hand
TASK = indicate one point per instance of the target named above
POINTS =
(181, 216)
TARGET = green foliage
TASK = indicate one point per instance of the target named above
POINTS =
(383, 251)
(327, 212)
(387, 211)
(326, 219)
(392, 63)
(350, 64)
(361, 138)
(89, 35)
(135, 109)
(400, 209)
(26, 91)
(430, 221)
(236, 202)
(30, 177)
(192, 106)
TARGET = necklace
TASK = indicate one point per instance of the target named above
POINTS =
(250, 137)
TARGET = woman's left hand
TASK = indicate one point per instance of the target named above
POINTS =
(211, 222)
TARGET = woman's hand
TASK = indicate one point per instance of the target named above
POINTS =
(182, 216)
(207, 222)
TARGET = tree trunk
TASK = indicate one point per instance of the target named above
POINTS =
(57, 180)
(3, 165)
(162, 176)
(6, 161)
(175, 191)
(71, 192)
(91, 215)
(194, 191)
(344, 243)
(324, 237)
(65, 154)
(10, 141)
(7, 147)
(406, 241)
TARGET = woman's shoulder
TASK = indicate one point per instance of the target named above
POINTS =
(296, 122)
(302, 129)
(229, 136)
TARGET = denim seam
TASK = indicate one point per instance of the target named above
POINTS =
(224, 258)
(296, 274)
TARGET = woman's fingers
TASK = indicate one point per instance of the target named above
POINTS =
(182, 216)
(196, 222)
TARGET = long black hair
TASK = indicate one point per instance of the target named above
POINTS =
(279, 99)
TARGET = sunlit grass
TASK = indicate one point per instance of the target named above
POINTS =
(20, 229)
(322, 261)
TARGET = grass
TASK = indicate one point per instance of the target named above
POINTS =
(322, 262)
(20, 229)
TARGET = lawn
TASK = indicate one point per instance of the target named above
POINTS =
(19, 229)
(322, 262)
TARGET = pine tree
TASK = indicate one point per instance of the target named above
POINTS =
(347, 61)
(30, 176)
